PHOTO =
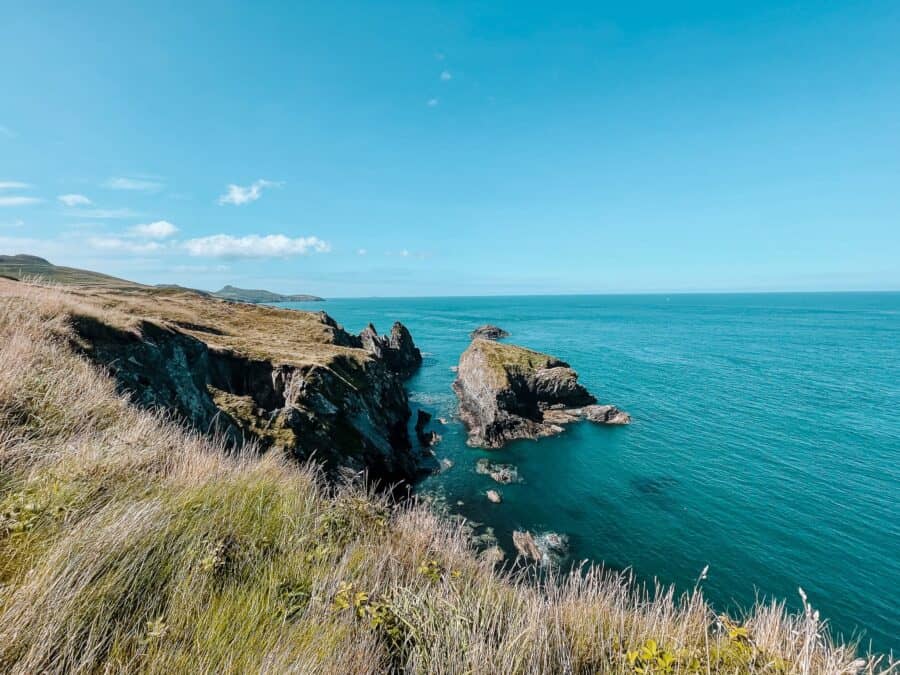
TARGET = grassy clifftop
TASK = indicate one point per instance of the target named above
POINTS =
(130, 545)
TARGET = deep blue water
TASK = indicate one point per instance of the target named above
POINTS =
(765, 442)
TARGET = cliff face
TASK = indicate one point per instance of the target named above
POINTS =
(306, 386)
(508, 392)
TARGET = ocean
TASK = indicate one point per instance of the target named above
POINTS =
(765, 441)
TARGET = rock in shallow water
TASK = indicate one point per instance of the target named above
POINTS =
(489, 332)
(507, 392)
(546, 548)
(501, 473)
(494, 496)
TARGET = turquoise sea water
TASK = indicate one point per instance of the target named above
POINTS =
(765, 442)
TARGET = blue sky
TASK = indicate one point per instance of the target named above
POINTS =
(456, 148)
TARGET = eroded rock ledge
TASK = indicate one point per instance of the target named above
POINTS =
(508, 392)
(285, 380)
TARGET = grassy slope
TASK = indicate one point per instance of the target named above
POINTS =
(28, 266)
(501, 358)
(258, 331)
(129, 545)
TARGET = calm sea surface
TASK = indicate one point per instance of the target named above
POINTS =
(765, 442)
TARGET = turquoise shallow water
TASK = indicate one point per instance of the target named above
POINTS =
(765, 442)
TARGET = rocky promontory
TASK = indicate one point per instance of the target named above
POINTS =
(280, 379)
(508, 392)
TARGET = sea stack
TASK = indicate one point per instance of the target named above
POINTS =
(507, 392)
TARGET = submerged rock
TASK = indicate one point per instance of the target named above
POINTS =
(507, 392)
(501, 473)
(488, 332)
(494, 496)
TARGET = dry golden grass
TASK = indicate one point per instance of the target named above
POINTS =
(257, 331)
(130, 545)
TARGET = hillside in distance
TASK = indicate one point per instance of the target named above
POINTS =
(25, 266)
(259, 295)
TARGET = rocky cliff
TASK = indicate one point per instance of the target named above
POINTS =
(285, 380)
(507, 392)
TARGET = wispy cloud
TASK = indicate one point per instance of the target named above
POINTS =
(6, 132)
(133, 184)
(13, 185)
(239, 194)
(18, 200)
(446, 75)
(15, 223)
(432, 102)
(254, 246)
(361, 251)
(103, 214)
(160, 229)
(74, 200)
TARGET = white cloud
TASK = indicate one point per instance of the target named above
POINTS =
(103, 214)
(6, 131)
(13, 185)
(15, 223)
(74, 200)
(238, 194)
(446, 75)
(361, 251)
(404, 253)
(18, 201)
(124, 245)
(432, 102)
(134, 184)
(160, 229)
(254, 246)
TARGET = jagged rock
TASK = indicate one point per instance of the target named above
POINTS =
(426, 438)
(500, 473)
(507, 392)
(397, 349)
(285, 380)
(488, 332)
(526, 546)
(494, 496)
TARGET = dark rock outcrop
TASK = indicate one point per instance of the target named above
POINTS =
(347, 409)
(488, 332)
(426, 438)
(507, 392)
(397, 349)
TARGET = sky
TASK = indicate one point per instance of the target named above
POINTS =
(355, 149)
